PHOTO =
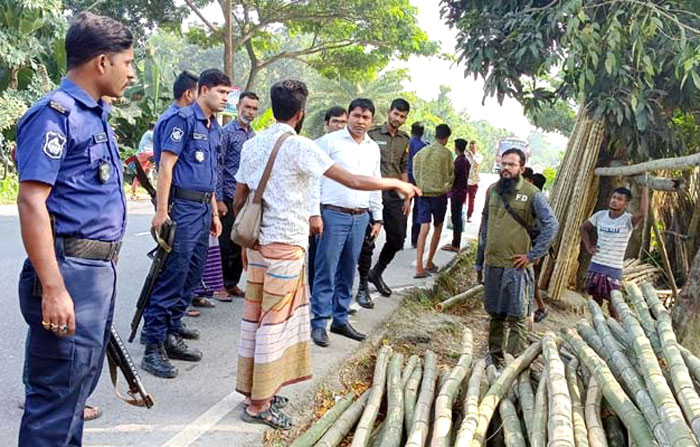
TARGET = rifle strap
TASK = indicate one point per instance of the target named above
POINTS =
(143, 179)
(114, 375)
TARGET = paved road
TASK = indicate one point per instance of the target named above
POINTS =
(199, 408)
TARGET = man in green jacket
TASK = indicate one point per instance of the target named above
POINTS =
(433, 170)
(508, 247)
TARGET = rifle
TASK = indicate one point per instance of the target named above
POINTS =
(158, 255)
(118, 357)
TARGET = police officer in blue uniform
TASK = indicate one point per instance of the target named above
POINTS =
(72, 212)
(184, 94)
(189, 151)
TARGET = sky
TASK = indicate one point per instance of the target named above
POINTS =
(428, 74)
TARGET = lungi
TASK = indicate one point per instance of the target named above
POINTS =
(212, 282)
(274, 348)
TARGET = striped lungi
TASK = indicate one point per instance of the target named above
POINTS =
(212, 273)
(274, 348)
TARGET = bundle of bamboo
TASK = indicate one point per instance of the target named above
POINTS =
(596, 385)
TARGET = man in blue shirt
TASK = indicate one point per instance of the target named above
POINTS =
(189, 147)
(233, 135)
(415, 145)
(184, 94)
(72, 212)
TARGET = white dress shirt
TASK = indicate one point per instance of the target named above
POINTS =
(358, 158)
(296, 171)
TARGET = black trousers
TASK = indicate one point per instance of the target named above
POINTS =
(415, 227)
(456, 207)
(231, 262)
(395, 223)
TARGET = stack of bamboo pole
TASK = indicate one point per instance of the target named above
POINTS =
(634, 271)
(597, 384)
(574, 194)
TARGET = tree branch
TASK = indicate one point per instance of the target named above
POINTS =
(196, 10)
(686, 162)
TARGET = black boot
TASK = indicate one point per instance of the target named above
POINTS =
(178, 350)
(363, 298)
(376, 278)
(156, 362)
(188, 333)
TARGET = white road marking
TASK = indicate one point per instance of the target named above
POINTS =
(205, 422)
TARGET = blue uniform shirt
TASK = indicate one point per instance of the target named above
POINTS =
(186, 135)
(158, 130)
(64, 141)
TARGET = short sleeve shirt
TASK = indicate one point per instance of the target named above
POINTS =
(187, 135)
(65, 141)
(394, 151)
(158, 130)
(613, 236)
(297, 168)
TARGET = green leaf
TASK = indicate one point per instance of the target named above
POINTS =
(609, 62)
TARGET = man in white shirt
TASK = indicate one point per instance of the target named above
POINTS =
(346, 214)
(613, 227)
(274, 348)
(474, 158)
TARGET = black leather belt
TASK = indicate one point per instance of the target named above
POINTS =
(91, 249)
(340, 209)
(192, 195)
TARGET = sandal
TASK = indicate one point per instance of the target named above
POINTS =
(223, 297)
(277, 401)
(540, 314)
(421, 275)
(90, 413)
(193, 312)
(433, 269)
(272, 417)
(200, 301)
(450, 247)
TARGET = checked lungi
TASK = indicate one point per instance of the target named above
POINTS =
(274, 348)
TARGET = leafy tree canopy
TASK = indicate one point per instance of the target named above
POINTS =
(633, 63)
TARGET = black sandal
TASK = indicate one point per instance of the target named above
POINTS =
(277, 401)
(271, 417)
(540, 314)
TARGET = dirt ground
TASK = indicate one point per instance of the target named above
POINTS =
(414, 328)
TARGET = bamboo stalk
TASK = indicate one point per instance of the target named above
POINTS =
(680, 376)
(445, 399)
(471, 406)
(538, 434)
(577, 412)
(459, 299)
(613, 392)
(411, 395)
(393, 424)
(661, 245)
(526, 396)
(619, 333)
(340, 429)
(512, 430)
(614, 430)
(627, 375)
(671, 164)
(676, 429)
(499, 389)
(366, 424)
(560, 424)
(411, 364)
(419, 430)
(691, 361)
(321, 426)
(594, 397)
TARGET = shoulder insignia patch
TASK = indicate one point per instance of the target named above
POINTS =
(54, 143)
(176, 134)
(57, 106)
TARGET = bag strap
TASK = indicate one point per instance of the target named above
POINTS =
(514, 215)
(268, 168)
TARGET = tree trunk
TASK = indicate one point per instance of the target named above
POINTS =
(686, 311)
(229, 50)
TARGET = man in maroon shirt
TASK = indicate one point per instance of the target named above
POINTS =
(458, 194)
